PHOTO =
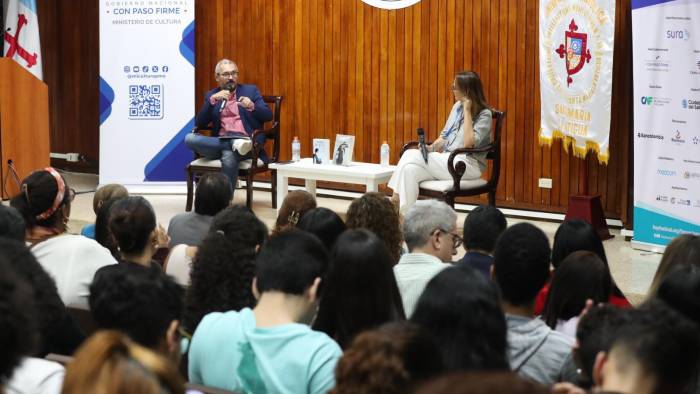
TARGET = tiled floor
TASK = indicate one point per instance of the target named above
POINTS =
(632, 269)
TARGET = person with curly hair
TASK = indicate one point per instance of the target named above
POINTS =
(389, 360)
(360, 290)
(59, 332)
(20, 373)
(294, 206)
(44, 201)
(375, 212)
(224, 265)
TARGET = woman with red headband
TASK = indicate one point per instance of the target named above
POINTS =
(44, 202)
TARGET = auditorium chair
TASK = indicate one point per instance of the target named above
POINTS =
(448, 190)
(248, 168)
(82, 316)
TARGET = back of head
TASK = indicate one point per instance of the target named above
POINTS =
(390, 359)
(580, 277)
(294, 206)
(482, 383)
(461, 309)
(683, 250)
(290, 262)
(223, 268)
(214, 193)
(49, 306)
(376, 213)
(596, 332)
(482, 227)
(681, 291)
(323, 223)
(573, 235)
(103, 234)
(42, 195)
(653, 339)
(424, 217)
(359, 290)
(108, 362)
(11, 224)
(132, 221)
(521, 263)
(108, 192)
(141, 303)
(18, 333)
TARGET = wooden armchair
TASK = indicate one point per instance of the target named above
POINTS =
(248, 168)
(448, 190)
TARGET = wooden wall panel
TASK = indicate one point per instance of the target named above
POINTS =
(344, 66)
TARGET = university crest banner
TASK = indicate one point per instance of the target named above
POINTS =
(576, 59)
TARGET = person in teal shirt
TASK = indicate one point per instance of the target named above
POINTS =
(268, 349)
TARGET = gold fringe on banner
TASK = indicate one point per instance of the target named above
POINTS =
(578, 151)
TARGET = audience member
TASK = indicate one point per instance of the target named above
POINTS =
(571, 236)
(429, 230)
(103, 235)
(521, 268)
(59, 333)
(681, 291)
(20, 373)
(389, 360)
(580, 277)
(132, 223)
(108, 192)
(44, 202)
(683, 250)
(481, 383)
(596, 332)
(144, 304)
(213, 194)
(375, 212)
(294, 206)
(657, 351)
(461, 309)
(323, 223)
(12, 225)
(360, 290)
(224, 266)
(109, 362)
(482, 227)
(266, 349)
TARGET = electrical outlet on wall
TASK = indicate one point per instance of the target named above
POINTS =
(545, 183)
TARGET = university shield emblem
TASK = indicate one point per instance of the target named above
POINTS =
(575, 50)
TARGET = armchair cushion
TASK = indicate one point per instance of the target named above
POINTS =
(443, 186)
(216, 163)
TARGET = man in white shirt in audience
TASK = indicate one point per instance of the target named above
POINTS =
(430, 232)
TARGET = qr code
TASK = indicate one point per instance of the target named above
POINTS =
(145, 101)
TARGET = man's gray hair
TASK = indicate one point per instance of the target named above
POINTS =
(221, 63)
(423, 218)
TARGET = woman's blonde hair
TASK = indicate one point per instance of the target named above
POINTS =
(109, 362)
(108, 192)
(682, 251)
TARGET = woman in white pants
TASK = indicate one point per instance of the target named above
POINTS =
(468, 126)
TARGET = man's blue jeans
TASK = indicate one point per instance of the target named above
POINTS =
(217, 148)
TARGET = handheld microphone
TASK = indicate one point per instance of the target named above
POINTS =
(229, 87)
(421, 144)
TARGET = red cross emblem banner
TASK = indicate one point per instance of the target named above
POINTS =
(576, 63)
(21, 35)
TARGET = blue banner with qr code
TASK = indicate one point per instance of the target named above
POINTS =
(146, 91)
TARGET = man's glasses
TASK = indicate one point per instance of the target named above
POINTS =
(456, 239)
(229, 74)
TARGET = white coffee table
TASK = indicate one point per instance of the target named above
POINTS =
(368, 174)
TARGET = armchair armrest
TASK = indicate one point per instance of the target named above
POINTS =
(457, 171)
(257, 146)
(409, 145)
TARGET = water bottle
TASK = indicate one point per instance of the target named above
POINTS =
(296, 149)
(384, 153)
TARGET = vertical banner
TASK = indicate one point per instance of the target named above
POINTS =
(666, 54)
(146, 91)
(21, 35)
(576, 58)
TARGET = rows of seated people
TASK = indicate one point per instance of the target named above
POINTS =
(370, 304)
